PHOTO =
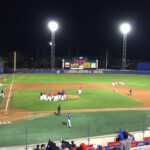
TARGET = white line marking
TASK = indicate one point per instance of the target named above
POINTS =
(9, 93)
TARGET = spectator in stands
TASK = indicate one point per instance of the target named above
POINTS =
(95, 147)
(126, 143)
(62, 147)
(72, 144)
(54, 147)
(37, 147)
(43, 147)
(66, 143)
(120, 135)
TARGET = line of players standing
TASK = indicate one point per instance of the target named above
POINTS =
(116, 82)
(54, 96)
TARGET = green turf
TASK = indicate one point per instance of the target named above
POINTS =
(90, 99)
(130, 80)
(43, 127)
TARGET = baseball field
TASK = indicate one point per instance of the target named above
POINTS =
(99, 110)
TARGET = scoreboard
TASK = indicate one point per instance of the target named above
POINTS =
(80, 63)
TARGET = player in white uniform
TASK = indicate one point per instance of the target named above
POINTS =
(49, 96)
(69, 117)
(113, 83)
(116, 82)
(41, 95)
(79, 90)
(1, 83)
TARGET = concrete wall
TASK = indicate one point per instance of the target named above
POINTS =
(99, 140)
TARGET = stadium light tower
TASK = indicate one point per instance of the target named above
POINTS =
(125, 29)
(53, 26)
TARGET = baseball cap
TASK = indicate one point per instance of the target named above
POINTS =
(95, 147)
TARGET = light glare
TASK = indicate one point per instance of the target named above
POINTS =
(125, 28)
(53, 26)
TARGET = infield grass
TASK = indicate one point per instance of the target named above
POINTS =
(89, 99)
(129, 80)
(40, 128)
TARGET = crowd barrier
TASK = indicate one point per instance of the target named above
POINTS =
(61, 71)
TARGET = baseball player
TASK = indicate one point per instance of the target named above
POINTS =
(79, 90)
(2, 93)
(64, 95)
(59, 110)
(59, 95)
(113, 83)
(55, 96)
(116, 88)
(69, 117)
(116, 82)
(130, 92)
(5, 79)
(44, 95)
(1, 83)
(52, 95)
(41, 95)
(122, 82)
(49, 96)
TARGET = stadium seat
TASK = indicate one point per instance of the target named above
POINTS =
(141, 143)
(116, 143)
(133, 144)
(147, 139)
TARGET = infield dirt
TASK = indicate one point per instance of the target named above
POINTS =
(12, 114)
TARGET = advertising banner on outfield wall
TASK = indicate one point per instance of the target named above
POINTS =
(77, 71)
(95, 72)
(87, 65)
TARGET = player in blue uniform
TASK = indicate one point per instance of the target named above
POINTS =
(69, 117)
(116, 88)
(2, 93)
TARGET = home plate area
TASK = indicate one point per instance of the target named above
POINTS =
(5, 122)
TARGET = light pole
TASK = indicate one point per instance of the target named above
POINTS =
(53, 26)
(125, 29)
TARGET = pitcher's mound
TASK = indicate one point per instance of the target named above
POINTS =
(73, 96)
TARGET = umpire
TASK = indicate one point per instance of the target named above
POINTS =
(59, 110)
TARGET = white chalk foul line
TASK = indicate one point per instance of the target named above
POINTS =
(9, 93)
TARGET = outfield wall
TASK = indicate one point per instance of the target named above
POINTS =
(60, 71)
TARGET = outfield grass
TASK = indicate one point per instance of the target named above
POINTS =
(90, 99)
(43, 127)
(130, 80)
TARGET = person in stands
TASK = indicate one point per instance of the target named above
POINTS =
(126, 143)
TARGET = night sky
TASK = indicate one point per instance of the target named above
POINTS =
(87, 28)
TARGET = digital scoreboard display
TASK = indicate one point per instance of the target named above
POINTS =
(93, 64)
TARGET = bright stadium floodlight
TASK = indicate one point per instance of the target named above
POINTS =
(125, 29)
(53, 26)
